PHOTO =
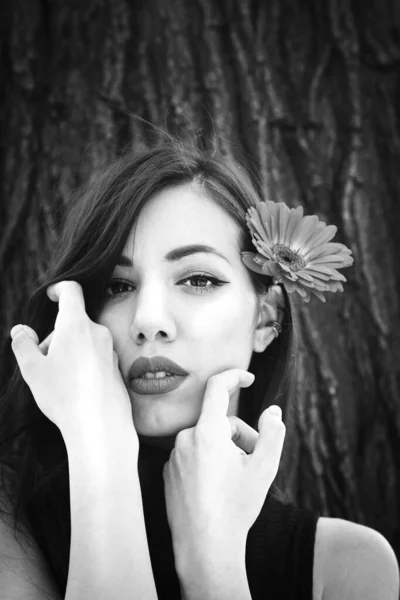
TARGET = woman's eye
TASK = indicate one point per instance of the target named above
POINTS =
(116, 288)
(204, 278)
(201, 283)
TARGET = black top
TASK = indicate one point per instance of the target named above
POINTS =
(279, 549)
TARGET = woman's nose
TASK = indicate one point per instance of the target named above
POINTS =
(152, 316)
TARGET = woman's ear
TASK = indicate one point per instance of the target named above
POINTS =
(271, 308)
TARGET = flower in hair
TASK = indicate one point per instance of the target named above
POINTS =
(295, 250)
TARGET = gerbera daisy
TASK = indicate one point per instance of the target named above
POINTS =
(295, 250)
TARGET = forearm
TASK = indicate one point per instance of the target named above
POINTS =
(109, 555)
(215, 574)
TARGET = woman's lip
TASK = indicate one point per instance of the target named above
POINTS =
(144, 386)
(145, 364)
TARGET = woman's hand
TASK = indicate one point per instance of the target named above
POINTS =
(215, 491)
(73, 374)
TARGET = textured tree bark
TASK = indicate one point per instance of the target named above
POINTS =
(304, 92)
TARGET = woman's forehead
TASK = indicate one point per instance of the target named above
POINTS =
(182, 216)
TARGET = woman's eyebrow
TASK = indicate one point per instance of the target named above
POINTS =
(177, 253)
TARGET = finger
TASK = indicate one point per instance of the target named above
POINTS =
(25, 350)
(44, 346)
(268, 449)
(216, 397)
(31, 332)
(244, 436)
(71, 302)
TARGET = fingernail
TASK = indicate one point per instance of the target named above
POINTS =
(15, 330)
(51, 292)
(250, 377)
(275, 411)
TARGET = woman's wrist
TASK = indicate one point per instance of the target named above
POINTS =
(213, 570)
(224, 579)
(102, 436)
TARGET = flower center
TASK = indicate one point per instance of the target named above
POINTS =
(288, 258)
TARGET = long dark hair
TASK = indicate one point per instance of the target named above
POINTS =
(33, 457)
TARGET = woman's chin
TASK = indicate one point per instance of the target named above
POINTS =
(160, 427)
(164, 437)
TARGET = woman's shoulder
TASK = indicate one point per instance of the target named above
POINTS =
(374, 571)
(23, 570)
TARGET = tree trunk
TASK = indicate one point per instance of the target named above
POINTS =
(306, 92)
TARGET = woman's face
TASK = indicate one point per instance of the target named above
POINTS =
(170, 307)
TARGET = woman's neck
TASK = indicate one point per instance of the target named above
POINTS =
(151, 462)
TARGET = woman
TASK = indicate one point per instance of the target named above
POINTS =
(136, 468)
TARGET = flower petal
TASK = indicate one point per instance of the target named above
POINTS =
(295, 216)
(303, 274)
(303, 232)
(301, 291)
(314, 252)
(272, 268)
(326, 270)
(283, 213)
(288, 273)
(289, 285)
(247, 258)
(256, 225)
(335, 261)
(348, 261)
(335, 286)
(304, 229)
(336, 276)
(264, 249)
(306, 283)
(320, 285)
(305, 293)
(322, 235)
(319, 295)
(272, 214)
(265, 217)
(329, 248)
(316, 274)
